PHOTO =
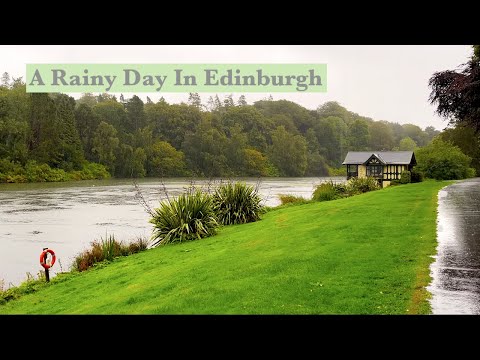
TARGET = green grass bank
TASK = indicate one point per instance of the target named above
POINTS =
(368, 254)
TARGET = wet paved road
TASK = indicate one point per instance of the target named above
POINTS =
(456, 272)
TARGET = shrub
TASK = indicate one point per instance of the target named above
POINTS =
(236, 203)
(325, 192)
(471, 172)
(416, 176)
(291, 199)
(107, 249)
(405, 177)
(190, 216)
(442, 160)
(362, 185)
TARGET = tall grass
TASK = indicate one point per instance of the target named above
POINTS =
(236, 203)
(291, 199)
(107, 249)
(189, 216)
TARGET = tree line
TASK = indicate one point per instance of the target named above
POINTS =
(217, 138)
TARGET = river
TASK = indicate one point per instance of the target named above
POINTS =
(455, 286)
(67, 217)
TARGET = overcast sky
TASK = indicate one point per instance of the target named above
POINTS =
(382, 82)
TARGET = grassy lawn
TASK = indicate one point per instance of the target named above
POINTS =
(368, 254)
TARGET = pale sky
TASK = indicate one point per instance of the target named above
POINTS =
(384, 82)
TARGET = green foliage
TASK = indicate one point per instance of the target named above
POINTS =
(359, 136)
(107, 249)
(165, 160)
(292, 199)
(407, 144)
(130, 138)
(467, 140)
(236, 203)
(357, 185)
(11, 172)
(288, 153)
(416, 176)
(327, 191)
(341, 171)
(443, 161)
(190, 216)
(105, 145)
(29, 286)
(405, 177)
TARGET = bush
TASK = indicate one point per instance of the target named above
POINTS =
(291, 199)
(190, 216)
(416, 176)
(362, 185)
(405, 177)
(327, 191)
(471, 172)
(106, 250)
(442, 160)
(236, 203)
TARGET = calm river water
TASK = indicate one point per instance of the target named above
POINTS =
(67, 217)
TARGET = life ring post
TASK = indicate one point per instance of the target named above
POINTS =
(47, 272)
(47, 265)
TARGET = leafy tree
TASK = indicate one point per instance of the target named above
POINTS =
(88, 99)
(130, 162)
(358, 135)
(228, 101)
(255, 163)
(288, 153)
(165, 160)
(44, 142)
(301, 117)
(70, 145)
(381, 136)
(135, 114)
(407, 144)
(456, 93)
(415, 133)
(195, 100)
(113, 113)
(87, 122)
(5, 81)
(105, 145)
(234, 150)
(332, 138)
(430, 133)
(466, 139)
(443, 161)
(205, 150)
(242, 101)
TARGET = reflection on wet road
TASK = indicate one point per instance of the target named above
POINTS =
(68, 216)
(456, 271)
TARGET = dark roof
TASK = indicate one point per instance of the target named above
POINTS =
(387, 157)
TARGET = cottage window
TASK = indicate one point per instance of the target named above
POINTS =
(374, 170)
(352, 170)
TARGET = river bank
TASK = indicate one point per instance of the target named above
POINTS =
(368, 254)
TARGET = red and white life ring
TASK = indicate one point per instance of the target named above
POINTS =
(43, 256)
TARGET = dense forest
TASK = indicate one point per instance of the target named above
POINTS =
(54, 136)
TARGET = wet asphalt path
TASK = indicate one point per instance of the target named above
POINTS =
(455, 286)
